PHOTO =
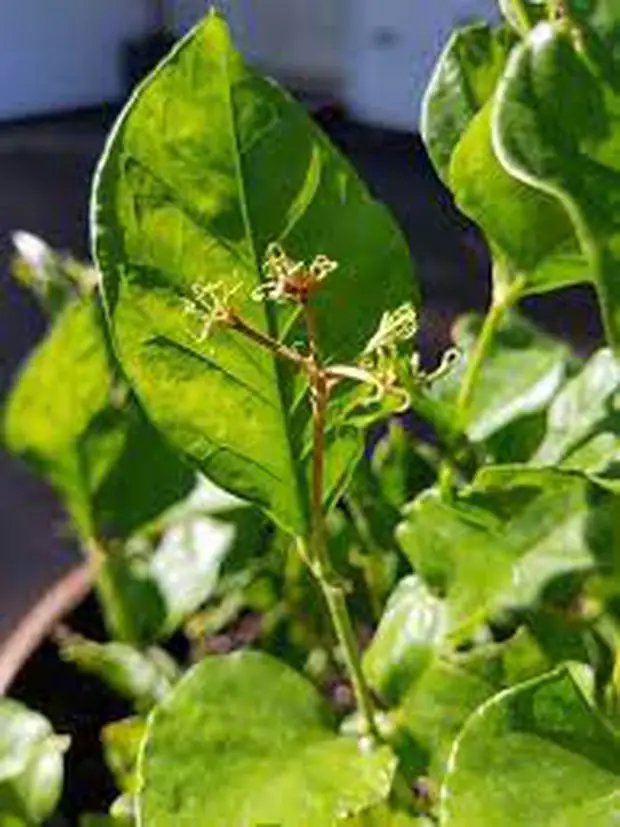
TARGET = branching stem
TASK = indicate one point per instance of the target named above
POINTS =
(333, 590)
(317, 555)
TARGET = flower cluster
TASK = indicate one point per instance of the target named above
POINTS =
(211, 305)
(290, 280)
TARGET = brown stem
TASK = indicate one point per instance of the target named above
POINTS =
(235, 322)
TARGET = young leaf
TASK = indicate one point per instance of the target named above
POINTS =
(31, 765)
(411, 629)
(523, 14)
(244, 739)
(144, 678)
(209, 164)
(510, 212)
(538, 752)
(71, 418)
(464, 79)
(566, 152)
(512, 532)
(523, 370)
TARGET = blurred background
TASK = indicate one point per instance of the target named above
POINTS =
(361, 66)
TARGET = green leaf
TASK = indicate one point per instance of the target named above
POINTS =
(144, 678)
(523, 370)
(582, 427)
(538, 752)
(511, 213)
(31, 765)
(512, 532)
(209, 164)
(386, 816)
(411, 629)
(523, 14)
(567, 153)
(154, 590)
(53, 277)
(464, 79)
(244, 739)
(121, 745)
(441, 698)
(71, 418)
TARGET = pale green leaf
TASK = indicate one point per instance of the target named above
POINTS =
(512, 532)
(244, 739)
(31, 765)
(411, 629)
(464, 79)
(582, 422)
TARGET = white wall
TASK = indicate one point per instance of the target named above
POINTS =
(391, 48)
(61, 54)
(292, 39)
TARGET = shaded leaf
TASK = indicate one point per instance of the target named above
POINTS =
(121, 744)
(71, 418)
(245, 739)
(410, 631)
(156, 589)
(582, 423)
(539, 752)
(31, 765)
(208, 164)
(144, 678)
(441, 698)
(511, 533)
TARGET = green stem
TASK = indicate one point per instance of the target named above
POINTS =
(504, 297)
(117, 613)
(341, 620)
(503, 300)
(521, 13)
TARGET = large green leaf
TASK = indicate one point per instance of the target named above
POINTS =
(566, 151)
(411, 629)
(31, 766)
(464, 79)
(500, 543)
(208, 164)
(523, 370)
(582, 423)
(534, 756)
(70, 416)
(244, 739)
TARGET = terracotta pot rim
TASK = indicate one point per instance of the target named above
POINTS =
(58, 601)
